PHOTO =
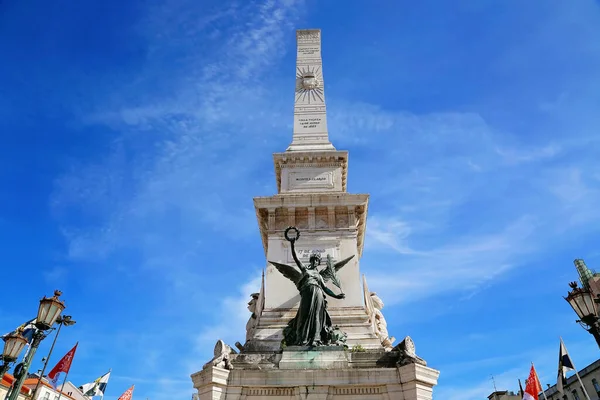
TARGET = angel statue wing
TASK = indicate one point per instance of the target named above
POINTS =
(290, 272)
(330, 272)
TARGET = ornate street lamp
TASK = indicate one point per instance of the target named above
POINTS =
(48, 312)
(66, 320)
(13, 345)
(585, 307)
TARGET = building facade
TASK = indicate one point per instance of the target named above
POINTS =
(6, 382)
(504, 395)
(590, 376)
(73, 391)
(45, 390)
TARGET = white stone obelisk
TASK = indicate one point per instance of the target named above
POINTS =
(310, 119)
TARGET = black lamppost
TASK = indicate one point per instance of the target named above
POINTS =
(13, 345)
(48, 312)
(66, 320)
(584, 305)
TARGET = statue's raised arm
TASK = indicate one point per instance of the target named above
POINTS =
(295, 235)
(289, 271)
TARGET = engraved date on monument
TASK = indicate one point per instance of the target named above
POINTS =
(308, 123)
(304, 254)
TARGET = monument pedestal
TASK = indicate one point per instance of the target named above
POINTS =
(408, 382)
(302, 357)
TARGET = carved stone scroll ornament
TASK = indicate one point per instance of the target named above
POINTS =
(407, 353)
(222, 356)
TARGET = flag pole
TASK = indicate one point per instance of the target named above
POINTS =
(521, 392)
(109, 371)
(63, 385)
(576, 373)
(536, 377)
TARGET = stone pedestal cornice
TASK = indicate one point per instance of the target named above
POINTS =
(350, 214)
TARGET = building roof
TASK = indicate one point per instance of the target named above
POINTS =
(7, 381)
(33, 381)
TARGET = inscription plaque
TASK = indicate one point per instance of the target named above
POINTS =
(310, 179)
(304, 252)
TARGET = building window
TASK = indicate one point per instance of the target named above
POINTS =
(596, 386)
(55, 397)
(46, 396)
(575, 395)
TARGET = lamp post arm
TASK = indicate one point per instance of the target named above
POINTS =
(16, 390)
(37, 385)
(594, 329)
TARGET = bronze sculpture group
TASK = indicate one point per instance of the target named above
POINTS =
(312, 324)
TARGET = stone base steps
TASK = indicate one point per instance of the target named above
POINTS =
(354, 321)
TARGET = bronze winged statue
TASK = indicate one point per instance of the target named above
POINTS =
(312, 324)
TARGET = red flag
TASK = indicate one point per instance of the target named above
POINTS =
(533, 387)
(128, 394)
(63, 366)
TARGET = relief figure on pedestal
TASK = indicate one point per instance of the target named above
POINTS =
(312, 324)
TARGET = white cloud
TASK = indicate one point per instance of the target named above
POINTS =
(231, 316)
(167, 165)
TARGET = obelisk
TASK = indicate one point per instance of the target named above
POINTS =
(310, 119)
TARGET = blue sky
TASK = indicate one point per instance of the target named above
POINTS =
(135, 135)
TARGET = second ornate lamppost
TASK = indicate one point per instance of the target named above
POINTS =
(585, 306)
(13, 345)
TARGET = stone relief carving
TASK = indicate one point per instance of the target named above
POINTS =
(222, 356)
(302, 219)
(280, 222)
(322, 222)
(341, 221)
(408, 353)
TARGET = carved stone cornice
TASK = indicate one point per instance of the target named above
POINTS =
(355, 204)
(302, 159)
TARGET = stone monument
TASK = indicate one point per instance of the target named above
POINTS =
(315, 331)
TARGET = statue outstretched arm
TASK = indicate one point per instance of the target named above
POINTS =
(298, 262)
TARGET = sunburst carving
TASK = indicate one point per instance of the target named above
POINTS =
(309, 84)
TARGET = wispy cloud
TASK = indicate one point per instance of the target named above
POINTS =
(153, 203)
(454, 265)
